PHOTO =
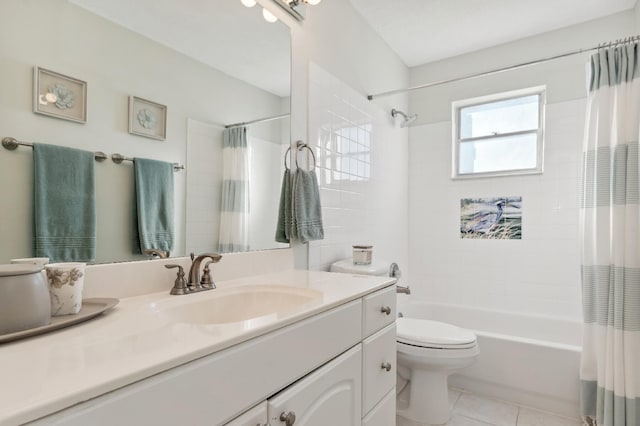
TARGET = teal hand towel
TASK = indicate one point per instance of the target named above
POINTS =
(154, 226)
(64, 203)
(307, 211)
(285, 220)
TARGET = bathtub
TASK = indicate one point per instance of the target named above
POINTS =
(528, 360)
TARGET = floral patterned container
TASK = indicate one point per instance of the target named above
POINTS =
(66, 281)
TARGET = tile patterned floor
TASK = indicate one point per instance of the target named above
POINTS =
(473, 410)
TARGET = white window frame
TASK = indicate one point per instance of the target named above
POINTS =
(458, 105)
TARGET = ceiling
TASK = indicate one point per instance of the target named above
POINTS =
(422, 31)
(222, 34)
(236, 40)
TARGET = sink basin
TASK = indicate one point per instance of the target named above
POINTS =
(239, 304)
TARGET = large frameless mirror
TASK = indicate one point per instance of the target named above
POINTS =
(210, 64)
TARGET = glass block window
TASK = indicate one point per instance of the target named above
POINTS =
(499, 135)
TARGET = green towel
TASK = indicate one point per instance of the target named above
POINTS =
(64, 203)
(154, 207)
(285, 221)
(306, 210)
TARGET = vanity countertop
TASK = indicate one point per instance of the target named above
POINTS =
(48, 373)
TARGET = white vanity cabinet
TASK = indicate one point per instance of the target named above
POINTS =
(379, 358)
(257, 416)
(356, 388)
(330, 395)
(327, 369)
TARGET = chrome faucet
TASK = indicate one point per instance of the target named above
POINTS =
(401, 289)
(196, 283)
(156, 254)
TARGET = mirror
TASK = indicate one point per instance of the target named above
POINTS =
(209, 63)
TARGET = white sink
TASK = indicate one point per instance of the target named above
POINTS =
(238, 304)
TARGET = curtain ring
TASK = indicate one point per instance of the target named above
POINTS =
(300, 146)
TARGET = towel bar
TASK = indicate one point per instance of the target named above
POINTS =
(12, 143)
(119, 158)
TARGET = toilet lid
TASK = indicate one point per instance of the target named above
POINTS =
(433, 334)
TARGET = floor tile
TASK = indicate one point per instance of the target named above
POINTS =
(457, 420)
(453, 397)
(531, 417)
(487, 410)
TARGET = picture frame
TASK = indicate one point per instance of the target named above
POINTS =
(147, 118)
(58, 95)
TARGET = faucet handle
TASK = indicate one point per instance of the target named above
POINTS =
(180, 284)
(206, 280)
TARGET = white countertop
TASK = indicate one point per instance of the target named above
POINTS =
(47, 373)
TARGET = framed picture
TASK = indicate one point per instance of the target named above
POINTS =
(147, 118)
(58, 95)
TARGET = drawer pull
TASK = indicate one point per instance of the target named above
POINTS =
(288, 418)
(386, 310)
(386, 366)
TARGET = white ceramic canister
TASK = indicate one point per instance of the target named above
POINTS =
(24, 298)
(362, 255)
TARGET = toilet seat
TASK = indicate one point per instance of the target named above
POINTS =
(433, 334)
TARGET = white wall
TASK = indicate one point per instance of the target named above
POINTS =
(115, 63)
(337, 54)
(539, 274)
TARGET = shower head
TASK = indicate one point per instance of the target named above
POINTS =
(407, 118)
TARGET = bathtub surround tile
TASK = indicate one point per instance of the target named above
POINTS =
(531, 417)
(487, 410)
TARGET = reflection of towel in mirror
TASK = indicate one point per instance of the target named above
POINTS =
(153, 218)
(285, 220)
(64, 203)
(306, 210)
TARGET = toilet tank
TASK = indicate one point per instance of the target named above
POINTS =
(347, 266)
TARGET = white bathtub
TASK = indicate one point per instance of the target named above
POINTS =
(529, 360)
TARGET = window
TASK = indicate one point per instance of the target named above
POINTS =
(499, 135)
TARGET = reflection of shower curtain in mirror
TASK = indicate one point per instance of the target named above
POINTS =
(610, 215)
(234, 211)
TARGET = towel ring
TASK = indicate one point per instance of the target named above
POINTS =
(286, 155)
(300, 146)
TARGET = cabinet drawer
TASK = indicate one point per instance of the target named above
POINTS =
(378, 350)
(379, 310)
(383, 414)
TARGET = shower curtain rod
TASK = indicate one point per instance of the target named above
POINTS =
(509, 68)
(260, 120)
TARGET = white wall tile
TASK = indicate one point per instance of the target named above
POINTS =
(362, 175)
(539, 274)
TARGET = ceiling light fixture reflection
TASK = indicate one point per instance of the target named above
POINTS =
(248, 3)
(297, 2)
(268, 16)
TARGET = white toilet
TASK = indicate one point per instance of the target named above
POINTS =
(428, 352)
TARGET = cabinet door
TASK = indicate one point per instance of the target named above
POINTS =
(378, 366)
(330, 395)
(383, 414)
(257, 416)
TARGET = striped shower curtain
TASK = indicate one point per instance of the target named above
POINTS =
(234, 211)
(610, 221)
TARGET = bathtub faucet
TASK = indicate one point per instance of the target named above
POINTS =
(405, 290)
